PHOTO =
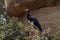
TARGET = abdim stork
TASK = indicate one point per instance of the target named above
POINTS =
(32, 20)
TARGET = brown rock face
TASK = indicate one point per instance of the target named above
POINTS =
(16, 7)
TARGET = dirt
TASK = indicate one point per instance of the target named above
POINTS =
(48, 17)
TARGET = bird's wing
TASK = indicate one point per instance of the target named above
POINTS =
(32, 17)
(36, 22)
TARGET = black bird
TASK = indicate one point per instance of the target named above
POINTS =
(32, 20)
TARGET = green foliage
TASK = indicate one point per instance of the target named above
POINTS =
(10, 31)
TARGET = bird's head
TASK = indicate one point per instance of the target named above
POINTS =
(27, 10)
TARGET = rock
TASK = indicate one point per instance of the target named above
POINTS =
(16, 7)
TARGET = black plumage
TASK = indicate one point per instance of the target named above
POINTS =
(33, 20)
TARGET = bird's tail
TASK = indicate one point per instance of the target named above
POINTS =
(40, 29)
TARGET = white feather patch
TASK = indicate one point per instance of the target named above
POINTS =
(31, 23)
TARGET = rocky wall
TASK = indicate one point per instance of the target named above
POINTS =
(16, 7)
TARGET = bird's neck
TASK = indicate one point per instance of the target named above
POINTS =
(28, 14)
